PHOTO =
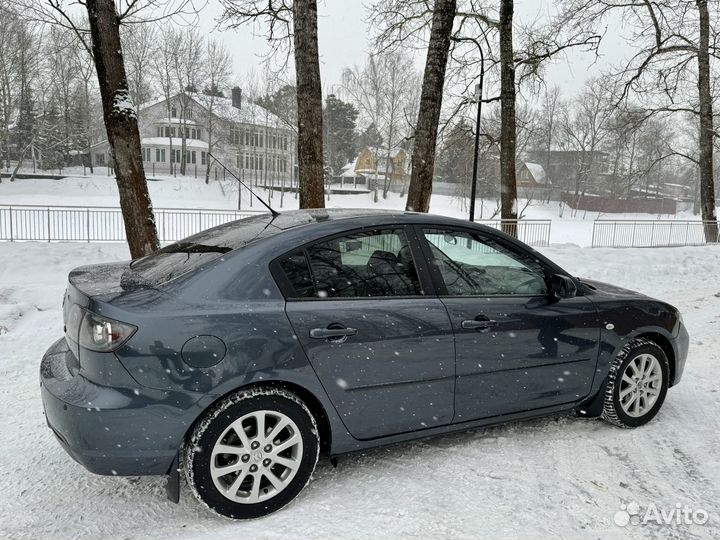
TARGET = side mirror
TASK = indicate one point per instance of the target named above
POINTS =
(561, 287)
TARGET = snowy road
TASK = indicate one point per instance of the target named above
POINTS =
(556, 477)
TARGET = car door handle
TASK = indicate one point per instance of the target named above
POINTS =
(478, 324)
(332, 333)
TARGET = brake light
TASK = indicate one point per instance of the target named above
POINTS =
(96, 332)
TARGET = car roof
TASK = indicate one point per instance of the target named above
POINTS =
(295, 218)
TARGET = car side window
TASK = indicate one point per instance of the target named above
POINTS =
(471, 265)
(297, 271)
(367, 264)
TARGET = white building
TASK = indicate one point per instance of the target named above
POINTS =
(248, 139)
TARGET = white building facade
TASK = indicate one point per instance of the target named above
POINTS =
(250, 141)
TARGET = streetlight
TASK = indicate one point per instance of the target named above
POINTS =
(478, 97)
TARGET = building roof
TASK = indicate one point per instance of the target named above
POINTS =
(249, 113)
(537, 172)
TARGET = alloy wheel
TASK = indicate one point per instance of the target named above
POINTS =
(256, 456)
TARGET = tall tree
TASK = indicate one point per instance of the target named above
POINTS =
(508, 181)
(292, 26)
(122, 127)
(309, 98)
(423, 159)
(707, 133)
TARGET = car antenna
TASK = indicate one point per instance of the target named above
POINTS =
(274, 213)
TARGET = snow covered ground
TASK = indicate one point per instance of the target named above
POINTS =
(188, 192)
(554, 477)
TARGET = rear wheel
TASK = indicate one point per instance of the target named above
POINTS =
(637, 384)
(253, 453)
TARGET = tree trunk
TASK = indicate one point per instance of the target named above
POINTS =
(423, 158)
(122, 128)
(309, 104)
(508, 182)
(707, 183)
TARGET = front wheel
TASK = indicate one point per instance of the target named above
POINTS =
(252, 453)
(636, 384)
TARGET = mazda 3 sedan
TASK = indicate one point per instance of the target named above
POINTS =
(238, 354)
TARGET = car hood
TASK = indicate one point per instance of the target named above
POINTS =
(611, 290)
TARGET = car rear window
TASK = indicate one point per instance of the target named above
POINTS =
(199, 250)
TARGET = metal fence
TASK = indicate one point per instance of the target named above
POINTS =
(105, 224)
(652, 233)
(534, 232)
(102, 224)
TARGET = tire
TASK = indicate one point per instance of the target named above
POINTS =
(624, 400)
(216, 455)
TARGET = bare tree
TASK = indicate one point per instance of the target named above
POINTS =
(163, 67)
(384, 92)
(670, 72)
(292, 26)
(139, 45)
(217, 75)
(187, 63)
(586, 126)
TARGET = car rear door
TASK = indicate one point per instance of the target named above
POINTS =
(382, 348)
(516, 348)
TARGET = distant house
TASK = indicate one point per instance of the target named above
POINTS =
(250, 140)
(372, 163)
(532, 175)
(566, 169)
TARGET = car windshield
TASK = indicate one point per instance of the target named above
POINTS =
(198, 250)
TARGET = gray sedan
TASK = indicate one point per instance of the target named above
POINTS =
(239, 354)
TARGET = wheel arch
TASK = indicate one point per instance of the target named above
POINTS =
(313, 403)
(664, 343)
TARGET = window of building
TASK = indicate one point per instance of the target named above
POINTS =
(173, 112)
(203, 158)
(100, 159)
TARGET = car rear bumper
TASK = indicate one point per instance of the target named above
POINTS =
(124, 431)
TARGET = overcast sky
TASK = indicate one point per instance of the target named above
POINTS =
(344, 40)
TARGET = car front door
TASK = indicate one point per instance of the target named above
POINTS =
(516, 348)
(381, 347)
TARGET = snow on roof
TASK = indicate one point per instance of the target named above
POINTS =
(249, 113)
(177, 141)
(348, 170)
(537, 172)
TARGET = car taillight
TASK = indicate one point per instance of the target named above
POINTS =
(95, 332)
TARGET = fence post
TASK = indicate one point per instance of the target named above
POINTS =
(48, 224)
(88, 225)
(11, 226)
(652, 235)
